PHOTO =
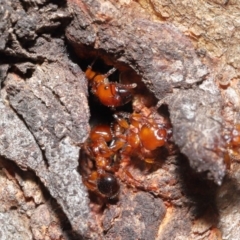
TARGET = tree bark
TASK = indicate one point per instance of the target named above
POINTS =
(184, 55)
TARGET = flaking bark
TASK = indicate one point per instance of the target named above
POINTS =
(44, 115)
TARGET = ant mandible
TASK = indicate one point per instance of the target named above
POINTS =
(110, 94)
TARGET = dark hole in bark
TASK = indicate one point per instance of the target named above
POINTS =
(103, 115)
(51, 203)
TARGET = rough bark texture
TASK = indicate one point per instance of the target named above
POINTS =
(44, 117)
(44, 112)
(167, 63)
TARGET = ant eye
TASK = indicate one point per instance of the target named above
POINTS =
(106, 87)
(108, 185)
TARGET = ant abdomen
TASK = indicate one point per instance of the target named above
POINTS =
(108, 185)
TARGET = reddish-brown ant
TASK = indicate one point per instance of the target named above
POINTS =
(139, 134)
(233, 145)
(101, 179)
(110, 94)
(130, 135)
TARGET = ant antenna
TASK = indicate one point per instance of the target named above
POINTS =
(95, 59)
(111, 71)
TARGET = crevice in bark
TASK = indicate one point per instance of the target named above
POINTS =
(56, 209)
(36, 141)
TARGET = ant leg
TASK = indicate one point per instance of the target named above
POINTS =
(90, 181)
(234, 154)
(121, 119)
(123, 114)
(149, 160)
(125, 175)
(131, 176)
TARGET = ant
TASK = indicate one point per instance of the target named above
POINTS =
(129, 135)
(139, 134)
(136, 134)
(97, 150)
(233, 145)
(110, 94)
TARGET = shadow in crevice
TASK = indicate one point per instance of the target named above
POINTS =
(228, 194)
(19, 175)
(199, 192)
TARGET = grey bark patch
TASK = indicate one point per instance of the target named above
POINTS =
(197, 126)
(53, 105)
